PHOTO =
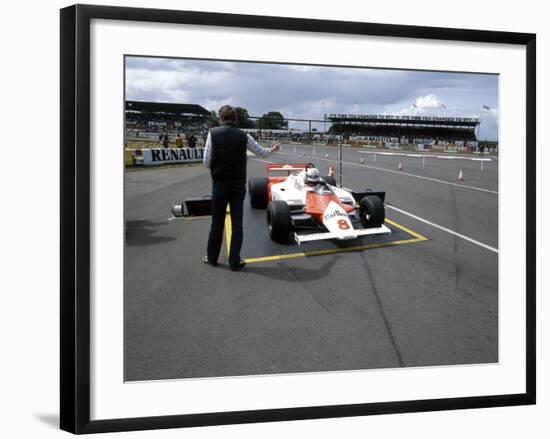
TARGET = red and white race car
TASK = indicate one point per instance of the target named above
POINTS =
(304, 206)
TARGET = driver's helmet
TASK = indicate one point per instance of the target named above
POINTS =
(312, 176)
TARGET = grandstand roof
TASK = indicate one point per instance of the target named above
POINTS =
(165, 107)
(402, 120)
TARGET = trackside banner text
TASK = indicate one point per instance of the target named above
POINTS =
(160, 156)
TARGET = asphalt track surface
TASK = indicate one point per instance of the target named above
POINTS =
(427, 295)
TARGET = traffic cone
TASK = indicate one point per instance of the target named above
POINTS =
(362, 160)
(460, 176)
(400, 166)
(331, 170)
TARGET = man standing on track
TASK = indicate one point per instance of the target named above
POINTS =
(225, 155)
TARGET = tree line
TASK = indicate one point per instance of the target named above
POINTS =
(272, 120)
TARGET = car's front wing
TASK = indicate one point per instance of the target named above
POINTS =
(341, 236)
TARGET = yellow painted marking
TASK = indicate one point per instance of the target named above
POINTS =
(333, 250)
(409, 231)
(417, 238)
(227, 230)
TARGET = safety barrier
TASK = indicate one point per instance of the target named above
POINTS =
(162, 156)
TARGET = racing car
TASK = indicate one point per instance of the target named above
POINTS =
(304, 206)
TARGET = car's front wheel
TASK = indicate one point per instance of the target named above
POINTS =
(372, 211)
(257, 191)
(279, 222)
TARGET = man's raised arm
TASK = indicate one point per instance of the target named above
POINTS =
(207, 151)
(258, 149)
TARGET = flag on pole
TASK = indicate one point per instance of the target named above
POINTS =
(485, 107)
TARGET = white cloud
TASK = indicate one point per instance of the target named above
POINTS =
(428, 101)
(427, 105)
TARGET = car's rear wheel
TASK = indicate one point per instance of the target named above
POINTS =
(329, 179)
(279, 222)
(372, 211)
(257, 191)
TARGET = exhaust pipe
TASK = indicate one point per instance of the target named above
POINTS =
(177, 210)
(195, 206)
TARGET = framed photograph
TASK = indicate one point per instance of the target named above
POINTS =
(274, 218)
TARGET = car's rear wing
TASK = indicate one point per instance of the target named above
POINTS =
(358, 196)
(279, 167)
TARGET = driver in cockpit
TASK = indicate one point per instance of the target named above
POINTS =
(312, 177)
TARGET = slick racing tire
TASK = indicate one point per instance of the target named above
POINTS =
(278, 221)
(257, 191)
(329, 179)
(372, 211)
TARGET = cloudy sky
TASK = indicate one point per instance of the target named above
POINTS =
(308, 91)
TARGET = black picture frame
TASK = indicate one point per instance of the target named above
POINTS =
(75, 217)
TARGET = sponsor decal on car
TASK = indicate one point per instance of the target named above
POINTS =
(336, 219)
(329, 215)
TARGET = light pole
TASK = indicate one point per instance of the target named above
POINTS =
(324, 119)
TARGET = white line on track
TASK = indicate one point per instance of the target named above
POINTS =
(263, 161)
(444, 229)
(435, 180)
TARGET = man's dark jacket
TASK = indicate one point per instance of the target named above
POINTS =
(228, 160)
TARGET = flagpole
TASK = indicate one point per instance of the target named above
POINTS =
(479, 133)
(484, 108)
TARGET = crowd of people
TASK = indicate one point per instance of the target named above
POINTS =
(159, 123)
(188, 141)
(292, 136)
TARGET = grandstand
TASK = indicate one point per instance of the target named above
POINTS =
(148, 120)
(419, 130)
(145, 119)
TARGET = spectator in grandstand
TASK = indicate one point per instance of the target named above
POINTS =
(179, 141)
(192, 140)
(165, 140)
(225, 155)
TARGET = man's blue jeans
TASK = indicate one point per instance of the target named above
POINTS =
(224, 193)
